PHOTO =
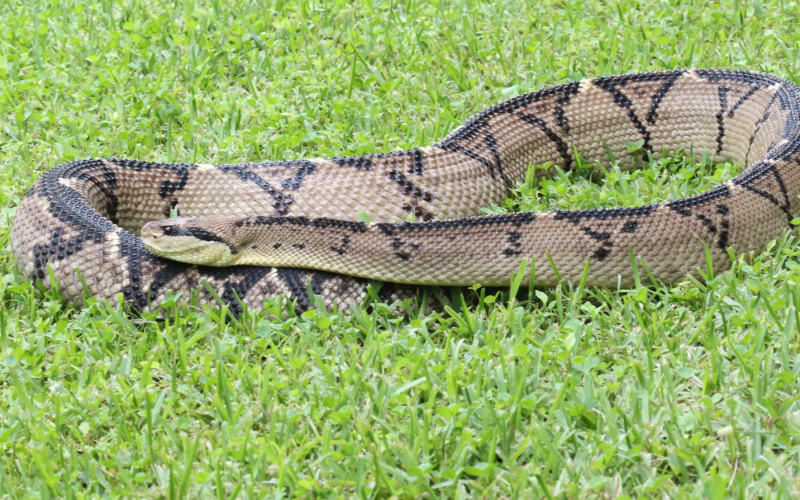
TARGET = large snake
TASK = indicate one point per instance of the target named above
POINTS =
(86, 215)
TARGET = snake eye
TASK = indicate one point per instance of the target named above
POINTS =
(168, 230)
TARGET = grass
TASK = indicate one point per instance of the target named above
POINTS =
(657, 392)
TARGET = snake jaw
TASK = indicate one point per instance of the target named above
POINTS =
(176, 239)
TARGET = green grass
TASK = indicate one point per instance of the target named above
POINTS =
(684, 391)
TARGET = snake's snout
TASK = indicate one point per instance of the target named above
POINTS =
(151, 231)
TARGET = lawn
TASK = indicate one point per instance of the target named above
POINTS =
(657, 392)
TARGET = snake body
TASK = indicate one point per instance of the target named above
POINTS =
(87, 215)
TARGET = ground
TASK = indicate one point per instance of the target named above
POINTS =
(683, 391)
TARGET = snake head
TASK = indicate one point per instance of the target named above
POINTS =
(192, 240)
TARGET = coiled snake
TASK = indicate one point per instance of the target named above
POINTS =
(86, 215)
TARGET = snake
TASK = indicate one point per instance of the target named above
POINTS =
(252, 232)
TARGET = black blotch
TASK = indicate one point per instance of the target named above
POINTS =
(106, 185)
(513, 242)
(297, 282)
(341, 250)
(569, 90)
(723, 240)
(402, 255)
(162, 278)
(723, 235)
(169, 187)
(409, 188)
(595, 235)
(630, 226)
(605, 239)
(132, 249)
(357, 162)
(73, 210)
(723, 104)
(417, 163)
(299, 246)
(601, 253)
(707, 222)
(304, 169)
(250, 277)
(561, 119)
(276, 246)
(472, 127)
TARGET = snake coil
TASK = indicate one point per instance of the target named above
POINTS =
(87, 215)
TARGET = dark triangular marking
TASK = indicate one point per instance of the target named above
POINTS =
(748, 180)
(279, 201)
(561, 146)
(640, 88)
(495, 167)
(745, 97)
(760, 121)
(730, 112)
(304, 168)
(491, 143)
(652, 113)
(570, 90)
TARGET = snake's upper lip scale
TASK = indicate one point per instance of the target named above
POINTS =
(150, 231)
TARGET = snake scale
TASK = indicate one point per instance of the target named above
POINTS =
(87, 215)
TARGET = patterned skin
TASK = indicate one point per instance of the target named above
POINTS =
(88, 215)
